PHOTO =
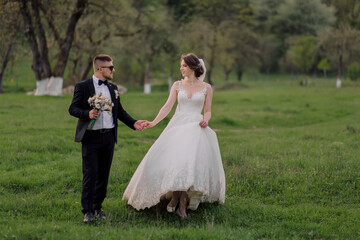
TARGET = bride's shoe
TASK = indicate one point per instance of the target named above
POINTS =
(173, 202)
(183, 203)
(182, 216)
(170, 209)
(171, 206)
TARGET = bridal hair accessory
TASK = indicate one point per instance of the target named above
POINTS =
(202, 76)
(100, 103)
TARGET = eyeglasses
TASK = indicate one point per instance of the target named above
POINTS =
(109, 67)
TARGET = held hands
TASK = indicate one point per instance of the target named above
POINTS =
(143, 124)
(203, 124)
(140, 124)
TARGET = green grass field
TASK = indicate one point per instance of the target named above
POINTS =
(290, 153)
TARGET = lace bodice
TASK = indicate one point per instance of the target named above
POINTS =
(190, 104)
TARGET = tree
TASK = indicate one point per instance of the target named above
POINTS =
(99, 29)
(238, 48)
(324, 65)
(270, 44)
(301, 17)
(347, 12)
(88, 40)
(303, 53)
(49, 81)
(264, 10)
(270, 52)
(8, 34)
(149, 42)
(183, 10)
(342, 40)
(171, 50)
(215, 12)
(353, 71)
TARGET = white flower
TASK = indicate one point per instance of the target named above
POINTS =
(100, 103)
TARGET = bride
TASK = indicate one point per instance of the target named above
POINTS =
(184, 163)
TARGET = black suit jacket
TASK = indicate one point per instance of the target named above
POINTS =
(80, 108)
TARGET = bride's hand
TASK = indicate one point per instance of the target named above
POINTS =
(203, 124)
(139, 124)
(149, 125)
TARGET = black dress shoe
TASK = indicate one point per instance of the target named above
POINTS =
(89, 217)
(100, 214)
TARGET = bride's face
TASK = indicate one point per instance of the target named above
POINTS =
(185, 70)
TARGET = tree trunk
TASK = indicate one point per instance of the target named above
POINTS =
(226, 73)
(86, 70)
(315, 73)
(48, 83)
(171, 75)
(4, 63)
(147, 86)
(239, 75)
(1, 83)
(79, 73)
(340, 66)
(65, 46)
(212, 56)
(46, 69)
(30, 35)
(73, 74)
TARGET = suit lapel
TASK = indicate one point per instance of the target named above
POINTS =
(113, 99)
(91, 87)
(112, 93)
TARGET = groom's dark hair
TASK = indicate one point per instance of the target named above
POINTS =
(99, 59)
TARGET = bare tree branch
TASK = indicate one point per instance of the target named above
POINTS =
(127, 34)
(103, 9)
(30, 35)
(42, 39)
(50, 21)
(70, 32)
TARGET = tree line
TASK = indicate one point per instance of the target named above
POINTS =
(143, 36)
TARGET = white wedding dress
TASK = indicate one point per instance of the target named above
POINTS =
(185, 157)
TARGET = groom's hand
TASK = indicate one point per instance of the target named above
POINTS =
(139, 125)
(93, 114)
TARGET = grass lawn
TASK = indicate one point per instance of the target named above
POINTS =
(290, 153)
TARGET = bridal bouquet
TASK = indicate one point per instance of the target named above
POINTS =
(100, 103)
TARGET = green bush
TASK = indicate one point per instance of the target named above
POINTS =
(353, 71)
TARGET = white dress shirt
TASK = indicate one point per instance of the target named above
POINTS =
(105, 120)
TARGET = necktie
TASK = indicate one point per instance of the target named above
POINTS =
(103, 82)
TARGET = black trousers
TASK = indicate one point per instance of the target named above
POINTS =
(97, 154)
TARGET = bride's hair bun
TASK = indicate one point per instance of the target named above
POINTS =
(193, 63)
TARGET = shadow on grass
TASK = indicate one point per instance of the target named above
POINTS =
(158, 216)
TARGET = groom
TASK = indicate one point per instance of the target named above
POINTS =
(98, 143)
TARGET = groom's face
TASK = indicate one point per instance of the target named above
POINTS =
(107, 73)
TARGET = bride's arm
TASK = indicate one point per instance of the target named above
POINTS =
(164, 111)
(207, 107)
